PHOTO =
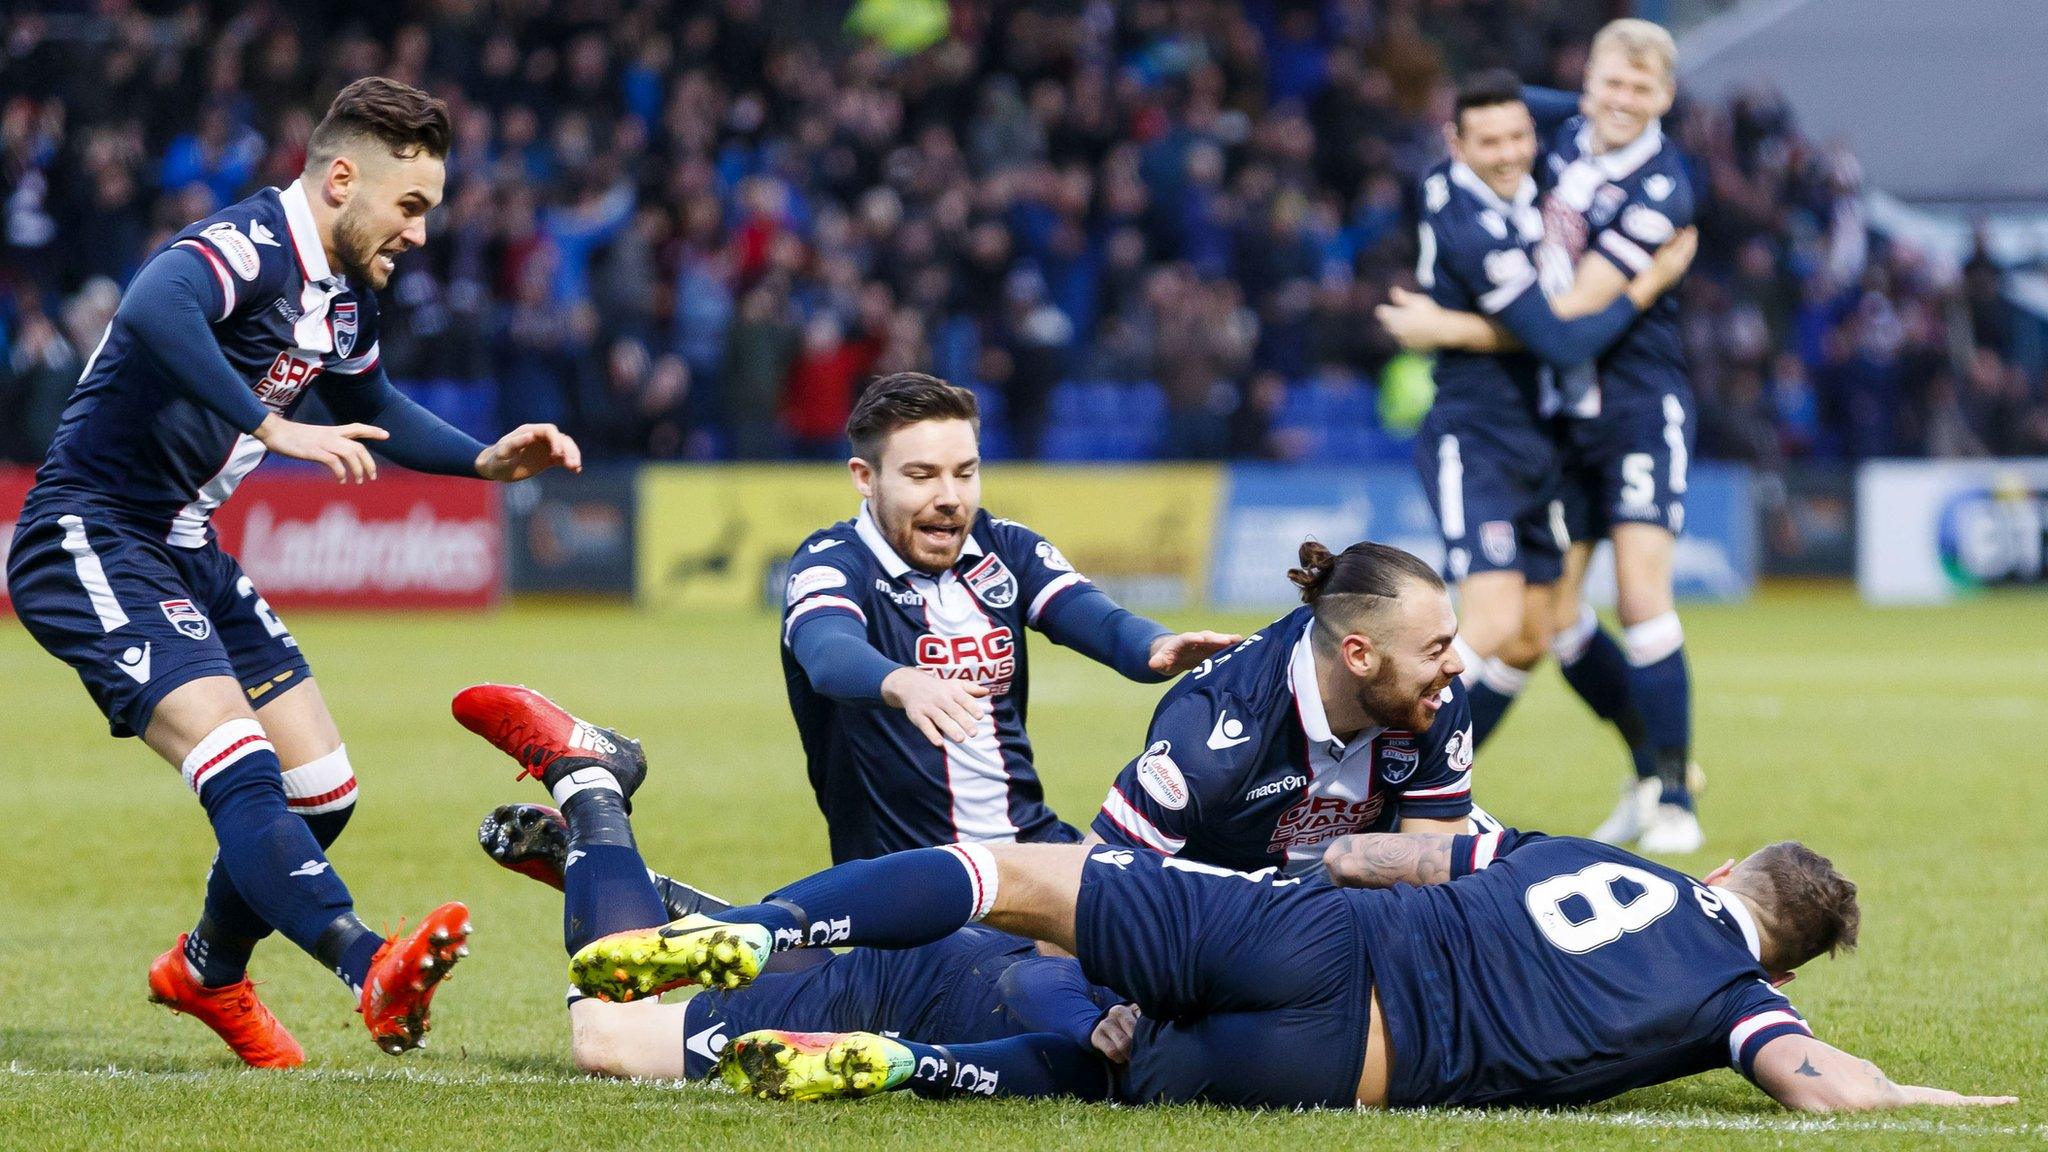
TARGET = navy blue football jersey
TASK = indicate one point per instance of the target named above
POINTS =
(1241, 771)
(882, 786)
(1554, 970)
(133, 446)
(1623, 205)
(1478, 254)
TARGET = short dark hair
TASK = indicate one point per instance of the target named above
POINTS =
(1806, 908)
(1342, 588)
(1486, 89)
(402, 118)
(900, 399)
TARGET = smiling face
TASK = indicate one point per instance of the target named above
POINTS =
(924, 488)
(1625, 94)
(1403, 669)
(384, 204)
(1498, 142)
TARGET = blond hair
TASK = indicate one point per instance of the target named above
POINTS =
(1642, 43)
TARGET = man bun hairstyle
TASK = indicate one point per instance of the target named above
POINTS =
(1486, 89)
(405, 121)
(897, 401)
(1345, 587)
(1806, 908)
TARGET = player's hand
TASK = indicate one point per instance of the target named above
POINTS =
(1113, 1033)
(942, 709)
(1673, 257)
(528, 450)
(1173, 655)
(334, 446)
(1941, 1097)
(1411, 318)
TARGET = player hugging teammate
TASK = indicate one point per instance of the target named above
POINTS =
(1593, 438)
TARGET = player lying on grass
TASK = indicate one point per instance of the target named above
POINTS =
(1502, 968)
(972, 985)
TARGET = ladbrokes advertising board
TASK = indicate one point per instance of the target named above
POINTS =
(401, 541)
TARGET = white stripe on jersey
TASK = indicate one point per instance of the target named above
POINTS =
(1121, 812)
(975, 775)
(1051, 590)
(812, 604)
(1741, 1033)
(92, 575)
(220, 272)
(1458, 787)
(188, 528)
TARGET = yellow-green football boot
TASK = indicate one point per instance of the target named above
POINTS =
(649, 961)
(776, 1065)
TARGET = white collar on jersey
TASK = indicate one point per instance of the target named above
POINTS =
(1743, 920)
(897, 567)
(1464, 177)
(1619, 163)
(298, 218)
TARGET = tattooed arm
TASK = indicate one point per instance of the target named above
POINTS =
(1806, 1075)
(1384, 859)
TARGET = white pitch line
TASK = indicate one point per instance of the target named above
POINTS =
(1689, 1121)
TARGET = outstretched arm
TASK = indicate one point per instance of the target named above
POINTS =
(1807, 1075)
(1384, 859)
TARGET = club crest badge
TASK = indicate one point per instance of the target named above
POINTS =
(992, 582)
(344, 325)
(187, 619)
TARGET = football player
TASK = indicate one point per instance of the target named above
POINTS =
(1616, 190)
(1345, 715)
(1502, 968)
(115, 570)
(903, 637)
(1488, 454)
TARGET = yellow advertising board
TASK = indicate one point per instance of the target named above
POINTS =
(721, 536)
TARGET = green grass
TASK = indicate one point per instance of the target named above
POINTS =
(1906, 744)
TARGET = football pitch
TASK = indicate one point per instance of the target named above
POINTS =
(1907, 745)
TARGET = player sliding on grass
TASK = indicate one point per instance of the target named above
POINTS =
(975, 984)
(115, 569)
(903, 637)
(1501, 968)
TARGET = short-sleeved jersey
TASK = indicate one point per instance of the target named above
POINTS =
(134, 446)
(1478, 254)
(1555, 971)
(1240, 769)
(882, 786)
(1623, 205)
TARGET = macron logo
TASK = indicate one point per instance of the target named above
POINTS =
(262, 235)
(1227, 733)
(821, 545)
(135, 662)
(311, 868)
(708, 1043)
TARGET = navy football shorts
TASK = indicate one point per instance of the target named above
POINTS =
(1255, 989)
(946, 992)
(136, 617)
(1628, 466)
(1493, 482)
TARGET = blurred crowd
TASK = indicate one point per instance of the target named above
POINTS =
(1149, 228)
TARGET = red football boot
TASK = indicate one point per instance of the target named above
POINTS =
(547, 741)
(404, 974)
(234, 1012)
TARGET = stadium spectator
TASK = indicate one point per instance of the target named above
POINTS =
(1206, 195)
